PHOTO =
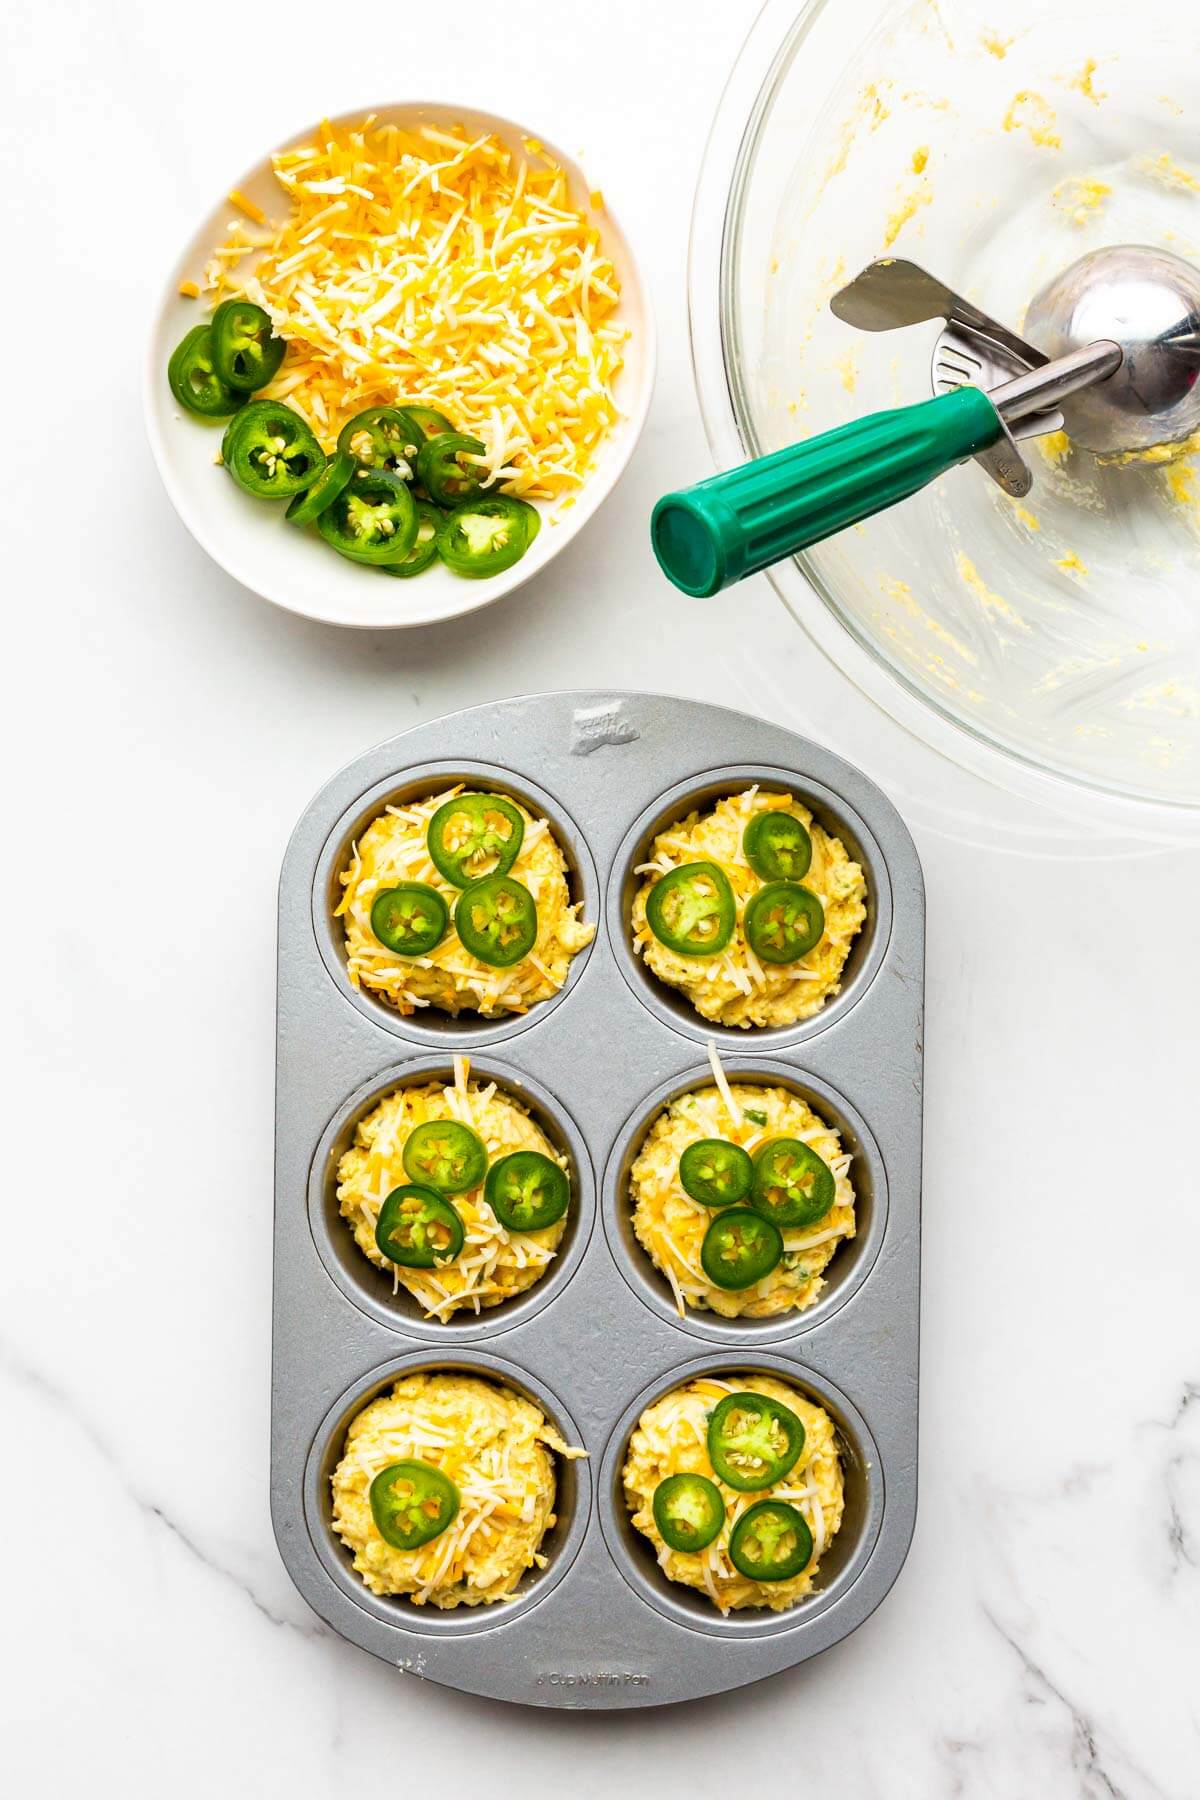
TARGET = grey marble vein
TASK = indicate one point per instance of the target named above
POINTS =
(59, 1400)
(1182, 1545)
(1091, 1764)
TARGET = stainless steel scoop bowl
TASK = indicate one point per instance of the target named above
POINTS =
(1148, 302)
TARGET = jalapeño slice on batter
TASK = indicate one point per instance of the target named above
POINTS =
(410, 919)
(418, 1229)
(739, 1248)
(784, 921)
(770, 1542)
(496, 918)
(527, 1191)
(792, 1184)
(716, 1173)
(445, 1155)
(692, 910)
(688, 1510)
(475, 835)
(777, 846)
(753, 1440)
(412, 1503)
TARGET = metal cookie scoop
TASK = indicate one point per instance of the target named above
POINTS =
(1124, 327)
(1148, 302)
(972, 349)
(973, 346)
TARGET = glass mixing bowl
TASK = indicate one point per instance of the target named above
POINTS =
(1046, 643)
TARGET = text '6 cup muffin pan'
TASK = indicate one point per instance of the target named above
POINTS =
(598, 1338)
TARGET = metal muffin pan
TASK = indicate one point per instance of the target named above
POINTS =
(596, 1340)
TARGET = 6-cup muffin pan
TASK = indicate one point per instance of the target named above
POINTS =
(598, 1338)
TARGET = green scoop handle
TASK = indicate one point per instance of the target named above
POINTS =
(710, 535)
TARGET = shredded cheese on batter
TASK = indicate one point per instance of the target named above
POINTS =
(494, 1264)
(723, 1088)
(495, 1445)
(444, 269)
(395, 847)
(671, 1437)
(734, 987)
(670, 1226)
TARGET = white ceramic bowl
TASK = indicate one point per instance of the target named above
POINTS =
(291, 568)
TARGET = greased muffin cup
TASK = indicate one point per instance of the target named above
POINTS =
(598, 1338)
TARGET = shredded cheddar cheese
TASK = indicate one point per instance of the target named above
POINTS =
(429, 266)
(251, 208)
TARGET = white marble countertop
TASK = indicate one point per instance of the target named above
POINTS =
(164, 731)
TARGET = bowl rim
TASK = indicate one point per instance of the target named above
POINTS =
(463, 596)
(770, 47)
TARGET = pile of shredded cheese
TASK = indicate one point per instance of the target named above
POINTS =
(671, 1439)
(494, 1264)
(734, 987)
(670, 1225)
(496, 1448)
(393, 849)
(445, 270)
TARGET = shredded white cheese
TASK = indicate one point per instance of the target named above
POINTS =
(732, 1106)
